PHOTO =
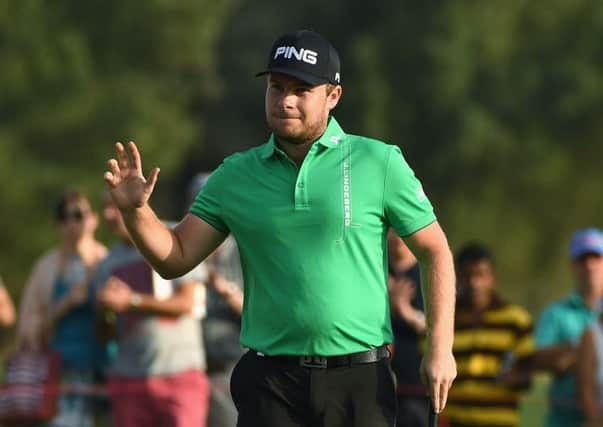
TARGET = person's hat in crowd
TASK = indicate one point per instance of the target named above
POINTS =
(586, 241)
(305, 55)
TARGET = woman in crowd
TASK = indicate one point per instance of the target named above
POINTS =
(57, 311)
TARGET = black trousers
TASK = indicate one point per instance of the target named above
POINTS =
(269, 392)
(414, 411)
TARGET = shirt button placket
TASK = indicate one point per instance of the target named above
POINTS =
(301, 193)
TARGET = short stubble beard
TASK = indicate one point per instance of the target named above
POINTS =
(310, 135)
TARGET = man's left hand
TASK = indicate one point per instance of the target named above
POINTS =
(438, 371)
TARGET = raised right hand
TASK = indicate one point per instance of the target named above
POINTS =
(128, 186)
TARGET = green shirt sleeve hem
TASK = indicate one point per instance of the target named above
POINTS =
(218, 225)
(418, 224)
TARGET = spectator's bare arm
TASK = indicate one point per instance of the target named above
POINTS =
(586, 371)
(229, 291)
(117, 296)
(76, 296)
(401, 293)
(7, 309)
(557, 359)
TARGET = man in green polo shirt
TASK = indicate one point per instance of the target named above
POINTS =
(310, 210)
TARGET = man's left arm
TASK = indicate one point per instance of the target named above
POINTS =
(438, 368)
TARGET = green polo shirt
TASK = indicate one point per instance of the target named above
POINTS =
(312, 239)
(564, 322)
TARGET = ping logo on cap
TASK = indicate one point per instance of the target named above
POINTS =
(290, 52)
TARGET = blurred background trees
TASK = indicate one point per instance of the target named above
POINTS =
(497, 105)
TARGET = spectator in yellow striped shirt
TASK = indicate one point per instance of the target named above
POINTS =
(492, 345)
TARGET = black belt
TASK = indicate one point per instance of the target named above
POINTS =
(325, 362)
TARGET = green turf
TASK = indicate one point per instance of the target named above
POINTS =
(534, 404)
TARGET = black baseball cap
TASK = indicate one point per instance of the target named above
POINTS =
(305, 55)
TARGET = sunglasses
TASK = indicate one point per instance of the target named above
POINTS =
(75, 215)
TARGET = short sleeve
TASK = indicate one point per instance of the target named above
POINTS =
(547, 331)
(207, 204)
(406, 206)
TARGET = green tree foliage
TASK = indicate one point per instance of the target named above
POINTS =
(496, 104)
(78, 76)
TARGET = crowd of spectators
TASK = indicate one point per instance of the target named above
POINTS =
(163, 351)
(132, 346)
(497, 347)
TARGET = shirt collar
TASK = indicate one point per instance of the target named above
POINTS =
(576, 300)
(331, 138)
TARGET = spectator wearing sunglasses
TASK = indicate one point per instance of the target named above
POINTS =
(57, 311)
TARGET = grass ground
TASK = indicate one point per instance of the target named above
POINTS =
(534, 404)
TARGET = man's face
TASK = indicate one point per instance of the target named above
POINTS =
(588, 270)
(297, 112)
(477, 278)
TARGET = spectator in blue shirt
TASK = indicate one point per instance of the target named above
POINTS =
(562, 324)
